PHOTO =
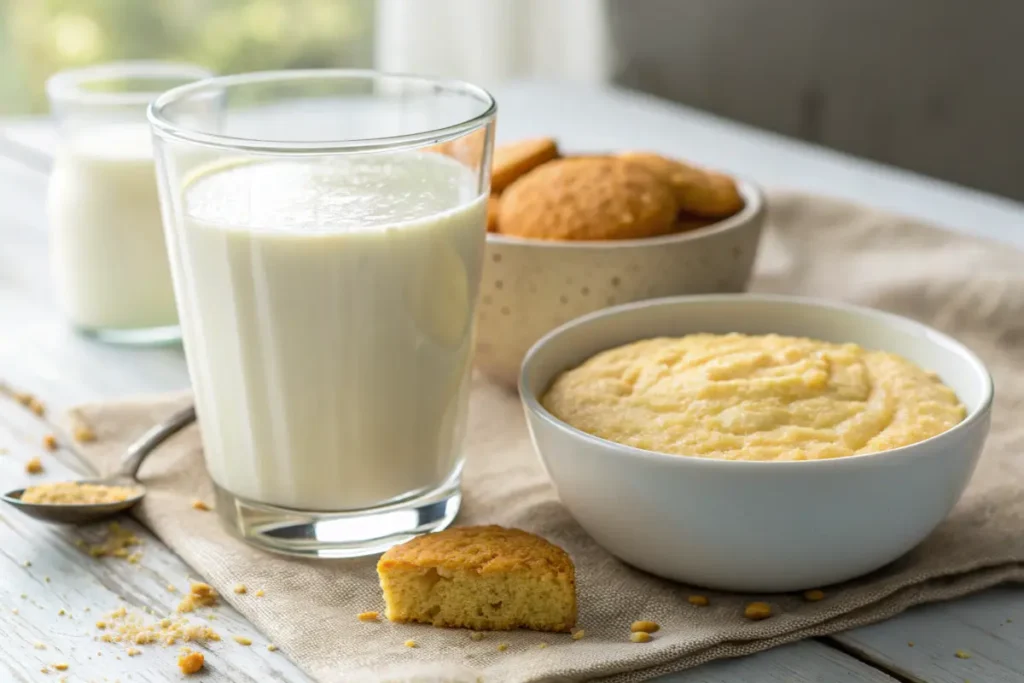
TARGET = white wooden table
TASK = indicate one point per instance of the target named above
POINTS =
(39, 353)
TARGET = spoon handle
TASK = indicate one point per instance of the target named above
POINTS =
(147, 443)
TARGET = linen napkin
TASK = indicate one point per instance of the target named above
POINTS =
(814, 246)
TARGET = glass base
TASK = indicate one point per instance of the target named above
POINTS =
(358, 533)
(145, 336)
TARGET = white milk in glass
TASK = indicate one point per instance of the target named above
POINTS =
(327, 314)
(108, 252)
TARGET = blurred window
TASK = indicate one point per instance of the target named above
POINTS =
(40, 37)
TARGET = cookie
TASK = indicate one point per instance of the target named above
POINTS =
(588, 198)
(699, 192)
(512, 161)
(493, 205)
(486, 578)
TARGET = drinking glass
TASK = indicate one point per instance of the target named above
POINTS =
(326, 233)
(107, 249)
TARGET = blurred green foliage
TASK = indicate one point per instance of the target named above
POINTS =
(40, 37)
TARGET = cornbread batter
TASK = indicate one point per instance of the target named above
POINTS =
(739, 397)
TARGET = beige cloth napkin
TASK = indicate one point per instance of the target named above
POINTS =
(816, 247)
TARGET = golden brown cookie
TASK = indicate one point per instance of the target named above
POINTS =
(702, 193)
(588, 199)
(516, 159)
(493, 205)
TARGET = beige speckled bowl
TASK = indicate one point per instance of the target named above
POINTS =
(530, 287)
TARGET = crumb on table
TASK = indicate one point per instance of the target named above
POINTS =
(191, 662)
(368, 616)
(50, 442)
(476, 635)
(240, 588)
(502, 647)
(411, 643)
(200, 595)
(960, 654)
(60, 666)
(271, 647)
(242, 640)
(198, 504)
(814, 595)
(578, 634)
(698, 600)
(34, 466)
(640, 637)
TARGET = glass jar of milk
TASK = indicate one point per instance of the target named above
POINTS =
(326, 234)
(107, 247)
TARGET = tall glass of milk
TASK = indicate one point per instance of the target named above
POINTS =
(326, 232)
(108, 254)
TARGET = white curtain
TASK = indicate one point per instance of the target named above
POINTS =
(491, 41)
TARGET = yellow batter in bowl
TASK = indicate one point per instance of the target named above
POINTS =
(753, 397)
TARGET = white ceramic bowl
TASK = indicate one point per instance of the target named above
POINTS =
(757, 526)
(530, 287)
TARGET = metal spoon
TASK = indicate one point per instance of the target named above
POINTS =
(125, 476)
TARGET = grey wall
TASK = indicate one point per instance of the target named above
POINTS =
(936, 86)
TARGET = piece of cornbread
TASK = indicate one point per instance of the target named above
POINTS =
(487, 578)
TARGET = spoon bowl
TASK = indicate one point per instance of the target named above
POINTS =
(131, 461)
(78, 513)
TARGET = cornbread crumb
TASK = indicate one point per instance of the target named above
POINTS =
(578, 635)
(368, 616)
(483, 578)
(910, 643)
(34, 466)
(757, 611)
(61, 612)
(60, 666)
(242, 640)
(271, 647)
(698, 600)
(410, 643)
(101, 624)
(644, 626)
(191, 662)
(200, 505)
(502, 647)
(46, 579)
(170, 588)
(640, 637)
(476, 635)
(131, 629)
(960, 654)
(80, 429)
(542, 646)
(200, 595)
(239, 588)
(50, 442)
(814, 595)
(132, 651)
(39, 646)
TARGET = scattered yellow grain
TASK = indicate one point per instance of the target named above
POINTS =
(242, 640)
(34, 466)
(411, 643)
(200, 595)
(757, 611)
(170, 588)
(259, 593)
(644, 626)
(640, 637)
(200, 505)
(814, 595)
(239, 588)
(272, 648)
(39, 646)
(368, 616)
(50, 442)
(502, 647)
(578, 635)
(133, 651)
(80, 429)
(60, 666)
(960, 654)
(698, 600)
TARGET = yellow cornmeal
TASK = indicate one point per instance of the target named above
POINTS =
(73, 493)
(739, 397)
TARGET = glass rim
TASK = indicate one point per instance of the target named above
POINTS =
(68, 85)
(168, 130)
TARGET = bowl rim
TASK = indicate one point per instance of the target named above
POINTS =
(753, 206)
(933, 336)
